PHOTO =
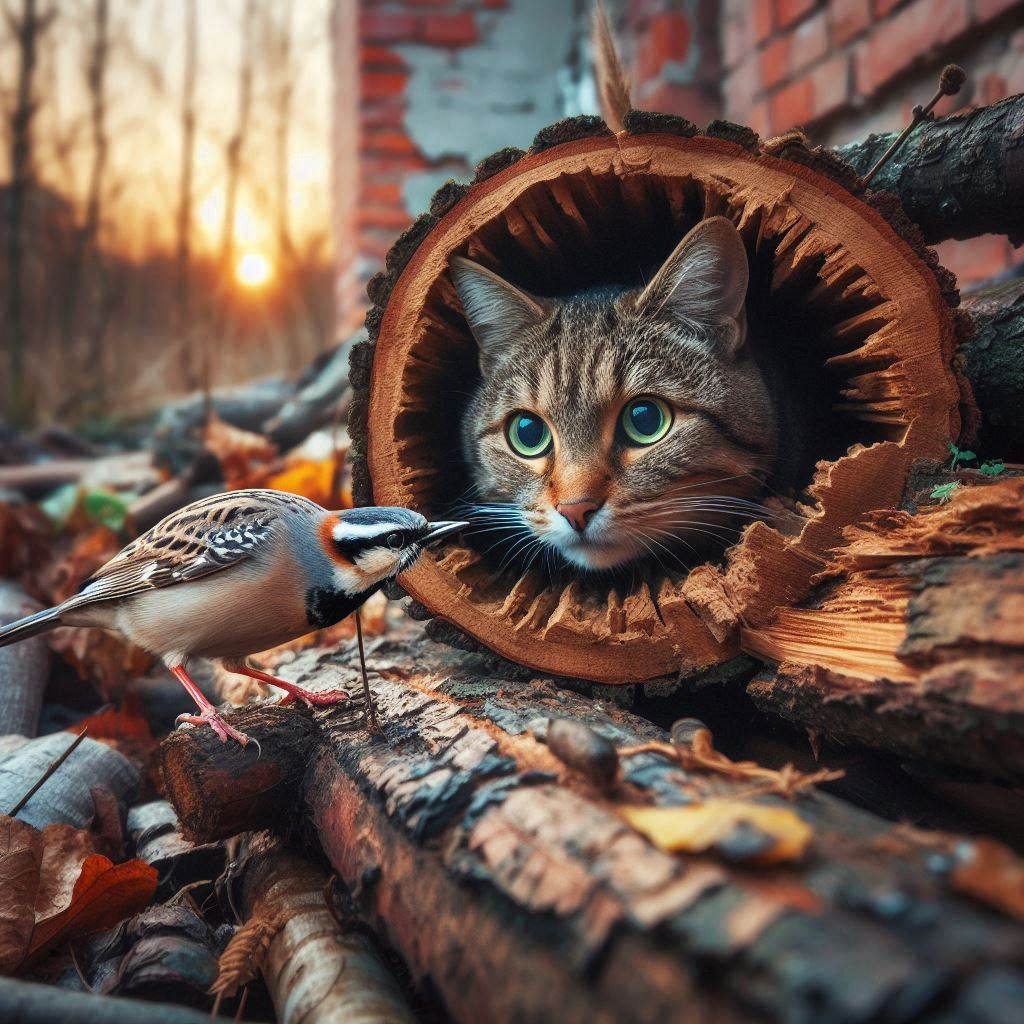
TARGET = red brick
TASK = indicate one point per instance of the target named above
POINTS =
(984, 10)
(758, 118)
(449, 29)
(821, 92)
(387, 27)
(380, 58)
(381, 84)
(789, 11)
(667, 38)
(883, 8)
(743, 86)
(385, 141)
(808, 43)
(381, 193)
(977, 259)
(373, 216)
(775, 61)
(764, 19)
(848, 18)
(908, 36)
(737, 40)
(688, 101)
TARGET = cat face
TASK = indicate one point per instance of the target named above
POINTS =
(614, 425)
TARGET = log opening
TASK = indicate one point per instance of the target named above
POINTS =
(839, 301)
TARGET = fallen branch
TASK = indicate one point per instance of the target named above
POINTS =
(317, 973)
(26, 1002)
(957, 177)
(24, 667)
(514, 887)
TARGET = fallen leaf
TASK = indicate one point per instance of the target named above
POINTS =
(104, 894)
(993, 873)
(313, 480)
(240, 452)
(737, 829)
(123, 726)
(65, 850)
(26, 538)
(21, 853)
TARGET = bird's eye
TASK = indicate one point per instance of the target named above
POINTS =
(394, 541)
(528, 435)
(645, 420)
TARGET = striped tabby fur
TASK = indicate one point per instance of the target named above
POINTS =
(576, 362)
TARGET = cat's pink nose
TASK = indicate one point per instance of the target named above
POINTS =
(577, 513)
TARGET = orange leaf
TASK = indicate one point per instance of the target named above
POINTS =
(104, 894)
(311, 479)
(993, 873)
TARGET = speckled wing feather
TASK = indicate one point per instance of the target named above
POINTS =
(202, 538)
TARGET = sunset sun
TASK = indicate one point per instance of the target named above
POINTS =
(253, 270)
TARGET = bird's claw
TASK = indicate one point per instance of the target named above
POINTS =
(218, 724)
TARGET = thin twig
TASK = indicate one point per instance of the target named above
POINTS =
(241, 1003)
(950, 82)
(13, 813)
(371, 711)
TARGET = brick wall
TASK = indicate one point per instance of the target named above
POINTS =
(844, 68)
(425, 88)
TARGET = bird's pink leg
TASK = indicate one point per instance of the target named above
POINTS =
(208, 714)
(293, 692)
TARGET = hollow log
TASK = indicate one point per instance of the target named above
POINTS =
(993, 361)
(956, 177)
(513, 886)
(914, 639)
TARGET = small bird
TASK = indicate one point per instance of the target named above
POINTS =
(237, 573)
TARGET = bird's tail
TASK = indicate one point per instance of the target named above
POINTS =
(31, 625)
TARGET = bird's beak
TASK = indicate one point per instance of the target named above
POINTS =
(439, 530)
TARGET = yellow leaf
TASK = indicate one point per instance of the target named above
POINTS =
(716, 824)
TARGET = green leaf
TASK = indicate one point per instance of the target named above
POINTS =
(960, 455)
(944, 492)
(105, 509)
(993, 467)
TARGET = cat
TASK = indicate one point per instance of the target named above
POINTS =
(618, 425)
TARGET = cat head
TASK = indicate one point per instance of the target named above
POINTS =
(617, 423)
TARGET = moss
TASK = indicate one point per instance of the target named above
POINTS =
(570, 129)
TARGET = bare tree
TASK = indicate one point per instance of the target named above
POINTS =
(27, 29)
(284, 91)
(236, 144)
(184, 224)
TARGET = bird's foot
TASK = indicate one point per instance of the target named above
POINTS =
(217, 723)
(311, 698)
(293, 692)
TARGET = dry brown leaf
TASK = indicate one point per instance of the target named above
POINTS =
(65, 850)
(21, 853)
(714, 824)
(26, 538)
(240, 453)
(243, 956)
(994, 874)
(104, 894)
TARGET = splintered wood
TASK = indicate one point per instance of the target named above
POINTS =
(856, 302)
(516, 887)
(914, 638)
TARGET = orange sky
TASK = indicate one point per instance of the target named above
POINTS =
(144, 122)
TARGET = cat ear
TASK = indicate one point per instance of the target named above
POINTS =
(496, 311)
(703, 284)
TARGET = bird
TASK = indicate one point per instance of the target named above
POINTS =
(241, 572)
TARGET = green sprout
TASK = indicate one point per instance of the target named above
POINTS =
(944, 492)
(959, 456)
(992, 467)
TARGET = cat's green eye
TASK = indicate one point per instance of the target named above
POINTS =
(528, 435)
(646, 420)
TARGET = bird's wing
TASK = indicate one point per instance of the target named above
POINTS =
(202, 538)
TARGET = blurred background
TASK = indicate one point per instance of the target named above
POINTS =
(193, 195)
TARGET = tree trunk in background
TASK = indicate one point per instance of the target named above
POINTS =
(26, 30)
(184, 226)
(957, 177)
(281, 49)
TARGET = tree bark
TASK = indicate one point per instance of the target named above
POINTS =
(957, 177)
(993, 360)
(914, 641)
(511, 884)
